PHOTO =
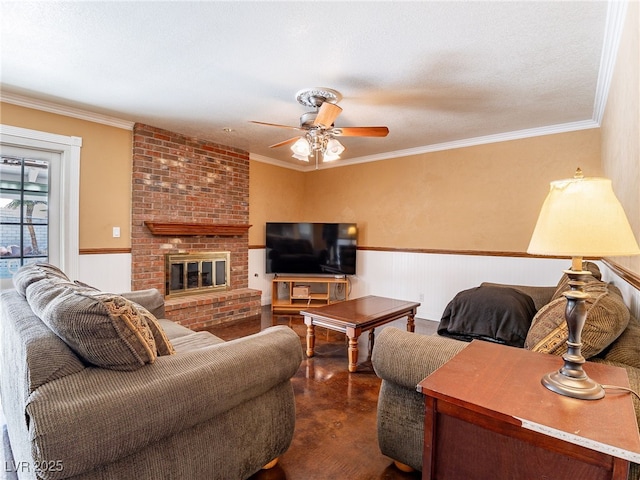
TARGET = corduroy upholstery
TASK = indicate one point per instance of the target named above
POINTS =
(214, 409)
(402, 359)
(607, 317)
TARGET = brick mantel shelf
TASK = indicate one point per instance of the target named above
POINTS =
(197, 229)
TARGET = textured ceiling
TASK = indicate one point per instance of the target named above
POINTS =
(435, 73)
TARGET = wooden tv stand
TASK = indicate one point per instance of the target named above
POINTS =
(291, 294)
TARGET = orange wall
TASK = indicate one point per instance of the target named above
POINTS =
(105, 172)
(276, 194)
(621, 128)
(482, 198)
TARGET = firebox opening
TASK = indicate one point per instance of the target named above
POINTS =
(194, 273)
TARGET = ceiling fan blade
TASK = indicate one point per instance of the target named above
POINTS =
(327, 114)
(286, 142)
(361, 131)
(276, 125)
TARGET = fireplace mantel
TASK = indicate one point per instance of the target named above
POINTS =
(183, 229)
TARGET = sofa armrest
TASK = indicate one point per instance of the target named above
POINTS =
(118, 413)
(151, 299)
(406, 358)
(540, 295)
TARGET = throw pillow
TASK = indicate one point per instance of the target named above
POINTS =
(104, 330)
(497, 314)
(563, 283)
(163, 345)
(34, 272)
(85, 285)
(607, 317)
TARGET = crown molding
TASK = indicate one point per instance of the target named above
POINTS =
(51, 107)
(616, 14)
(472, 142)
(277, 163)
(438, 147)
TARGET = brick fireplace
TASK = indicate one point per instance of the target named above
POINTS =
(191, 196)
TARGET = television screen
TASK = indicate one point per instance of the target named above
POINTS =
(311, 248)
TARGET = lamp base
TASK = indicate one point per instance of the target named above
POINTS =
(581, 387)
(571, 380)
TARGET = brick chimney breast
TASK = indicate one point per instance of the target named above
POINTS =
(186, 180)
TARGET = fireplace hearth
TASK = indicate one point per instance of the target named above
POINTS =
(196, 273)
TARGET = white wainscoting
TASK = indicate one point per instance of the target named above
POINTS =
(108, 272)
(630, 294)
(431, 279)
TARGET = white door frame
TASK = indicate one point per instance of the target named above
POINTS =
(66, 185)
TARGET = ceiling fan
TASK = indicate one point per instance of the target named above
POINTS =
(320, 132)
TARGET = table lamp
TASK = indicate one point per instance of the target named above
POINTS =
(580, 217)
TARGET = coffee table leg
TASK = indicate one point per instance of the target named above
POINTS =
(372, 339)
(311, 339)
(353, 354)
(411, 326)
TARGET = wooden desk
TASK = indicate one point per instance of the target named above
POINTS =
(488, 416)
(356, 316)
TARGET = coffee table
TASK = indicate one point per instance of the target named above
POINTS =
(353, 317)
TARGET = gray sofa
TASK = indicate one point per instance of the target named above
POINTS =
(99, 386)
(402, 359)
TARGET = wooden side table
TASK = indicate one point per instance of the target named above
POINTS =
(488, 416)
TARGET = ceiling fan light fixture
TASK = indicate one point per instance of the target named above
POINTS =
(319, 125)
(330, 157)
(334, 148)
(301, 157)
(301, 147)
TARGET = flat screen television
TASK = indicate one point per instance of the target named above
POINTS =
(311, 248)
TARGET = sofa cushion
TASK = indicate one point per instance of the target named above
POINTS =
(607, 317)
(149, 298)
(103, 329)
(195, 341)
(497, 314)
(625, 349)
(173, 330)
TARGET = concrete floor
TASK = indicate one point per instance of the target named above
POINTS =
(335, 435)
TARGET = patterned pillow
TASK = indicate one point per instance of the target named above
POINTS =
(607, 317)
(563, 283)
(163, 345)
(103, 329)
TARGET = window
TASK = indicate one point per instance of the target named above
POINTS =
(24, 218)
(41, 167)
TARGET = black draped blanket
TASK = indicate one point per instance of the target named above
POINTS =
(496, 314)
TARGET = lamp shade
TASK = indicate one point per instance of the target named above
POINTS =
(582, 217)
